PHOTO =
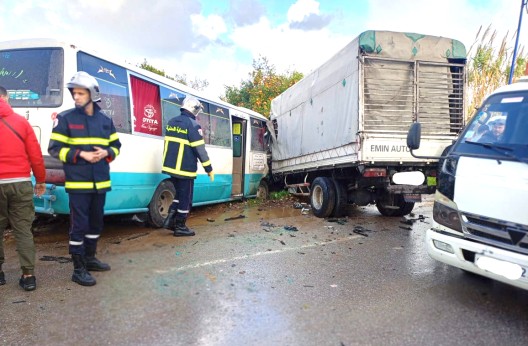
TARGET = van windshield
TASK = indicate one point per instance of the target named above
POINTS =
(33, 77)
(499, 129)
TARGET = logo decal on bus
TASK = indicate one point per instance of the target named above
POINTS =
(107, 71)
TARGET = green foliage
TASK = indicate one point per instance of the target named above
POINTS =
(489, 66)
(278, 195)
(263, 85)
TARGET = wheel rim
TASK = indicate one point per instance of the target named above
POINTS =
(317, 197)
(164, 203)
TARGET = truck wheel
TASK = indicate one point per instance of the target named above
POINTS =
(393, 205)
(322, 196)
(263, 190)
(341, 199)
(158, 208)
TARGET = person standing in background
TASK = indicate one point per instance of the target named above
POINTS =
(19, 155)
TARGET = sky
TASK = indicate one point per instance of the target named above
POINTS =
(218, 40)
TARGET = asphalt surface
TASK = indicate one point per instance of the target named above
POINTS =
(260, 274)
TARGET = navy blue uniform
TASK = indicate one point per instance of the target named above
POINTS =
(86, 182)
(184, 146)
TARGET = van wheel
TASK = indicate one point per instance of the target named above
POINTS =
(393, 205)
(322, 196)
(341, 199)
(263, 190)
(160, 203)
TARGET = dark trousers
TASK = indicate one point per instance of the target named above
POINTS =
(86, 221)
(17, 209)
(182, 202)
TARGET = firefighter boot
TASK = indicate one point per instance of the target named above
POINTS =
(169, 221)
(180, 230)
(93, 264)
(80, 274)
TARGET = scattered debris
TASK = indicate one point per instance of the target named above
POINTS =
(298, 205)
(59, 259)
(19, 301)
(210, 220)
(291, 228)
(308, 286)
(235, 218)
(267, 224)
(361, 230)
(337, 220)
(138, 236)
(282, 242)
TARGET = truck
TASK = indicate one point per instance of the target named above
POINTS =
(339, 134)
(480, 223)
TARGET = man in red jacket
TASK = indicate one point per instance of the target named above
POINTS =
(19, 155)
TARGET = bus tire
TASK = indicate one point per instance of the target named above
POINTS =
(322, 196)
(341, 198)
(263, 190)
(393, 205)
(159, 205)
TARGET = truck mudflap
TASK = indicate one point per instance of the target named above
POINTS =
(44, 203)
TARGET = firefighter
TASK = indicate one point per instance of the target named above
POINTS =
(85, 140)
(184, 145)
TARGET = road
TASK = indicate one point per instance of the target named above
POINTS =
(260, 274)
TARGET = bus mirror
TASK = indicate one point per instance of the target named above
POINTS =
(413, 136)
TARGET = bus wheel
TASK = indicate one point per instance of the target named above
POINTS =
(322, 196)
(263, 190)
(393, 205)
(160, 203)
(341, 197)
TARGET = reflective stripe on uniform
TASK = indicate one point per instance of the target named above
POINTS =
(87, 185)
(103, 184)
(80, 140)
(177, 140)
(179, 172)
(182, 211)
(63, 154)
(206, 163)
(75, 243)
(115, 150)
(91, 236)
(197, 143)
(113, 137)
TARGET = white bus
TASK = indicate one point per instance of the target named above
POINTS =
(140, 103)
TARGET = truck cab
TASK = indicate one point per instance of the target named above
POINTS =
(480, 217)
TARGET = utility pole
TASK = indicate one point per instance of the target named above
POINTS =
(512, 69)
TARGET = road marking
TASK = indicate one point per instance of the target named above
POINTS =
(257, 254)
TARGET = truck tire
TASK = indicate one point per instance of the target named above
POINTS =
(158, 208)
(394, 205)
(341, 199)
(263, 190)
(322, 197)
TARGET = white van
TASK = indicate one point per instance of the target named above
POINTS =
(481, 204)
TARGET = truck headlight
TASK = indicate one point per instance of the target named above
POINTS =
(447, 216)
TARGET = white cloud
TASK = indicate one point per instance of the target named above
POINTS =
(211, 26)
(302, 9)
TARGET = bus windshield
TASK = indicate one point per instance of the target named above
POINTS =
(33, 77)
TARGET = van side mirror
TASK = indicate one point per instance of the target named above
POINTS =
(413, 136)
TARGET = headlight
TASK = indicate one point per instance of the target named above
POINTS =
(447, 216)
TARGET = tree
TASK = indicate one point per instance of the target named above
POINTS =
(489, 66)
(263, 85)
(198, 84)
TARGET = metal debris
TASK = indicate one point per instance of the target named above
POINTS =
(59, 259)
(235, 217)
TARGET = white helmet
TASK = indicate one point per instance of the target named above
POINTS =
(83, 80)
(192, 104)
